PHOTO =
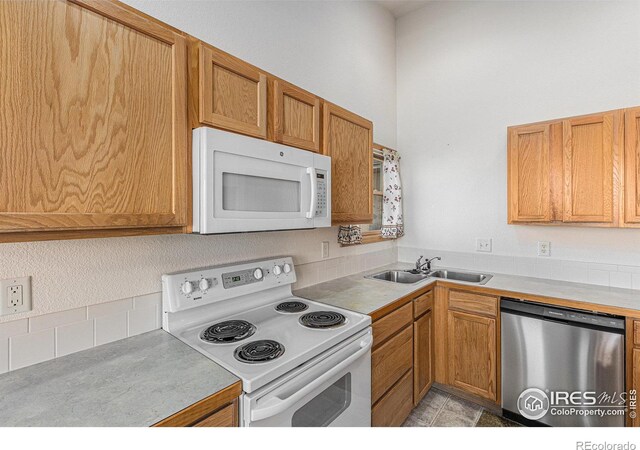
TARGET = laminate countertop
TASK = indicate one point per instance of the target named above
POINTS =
(137, 381)
(366, 296)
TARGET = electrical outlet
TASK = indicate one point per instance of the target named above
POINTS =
(483, 245)
(544, 248)
(325, 249)
(15, 295)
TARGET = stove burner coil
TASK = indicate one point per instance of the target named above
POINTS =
(292, 307)
(322, 319)
(228, 331)
(259, 351)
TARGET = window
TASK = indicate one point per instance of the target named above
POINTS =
(371, 232)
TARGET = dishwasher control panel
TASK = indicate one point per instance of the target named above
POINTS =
(562, 314)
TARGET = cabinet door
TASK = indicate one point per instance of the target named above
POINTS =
(422, 356)
(529, 173)
(590, 161)
(632, 167)
(472, 354)
(296, 116)
(232, 93)
(93, 124)
(348, 140)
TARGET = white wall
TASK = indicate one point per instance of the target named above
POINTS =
(467, 70)
(344, 52)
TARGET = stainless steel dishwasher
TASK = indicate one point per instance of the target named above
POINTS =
(549, 352)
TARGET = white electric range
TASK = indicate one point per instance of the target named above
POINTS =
(302, 363)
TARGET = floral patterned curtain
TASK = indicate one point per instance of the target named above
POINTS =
(392, 221)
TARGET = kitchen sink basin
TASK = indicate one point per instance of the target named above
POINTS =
(469, 277)
(399, 276)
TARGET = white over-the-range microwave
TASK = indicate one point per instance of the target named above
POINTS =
(245, 184)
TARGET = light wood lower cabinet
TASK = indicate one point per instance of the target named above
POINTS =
(396, 405)
(402, 361)
(226, 417)
(422, 356)
(217, 410)
(632, 344)
(472, 354)
(94, 135)
(390, 362)
(467, 350)
(392, 367)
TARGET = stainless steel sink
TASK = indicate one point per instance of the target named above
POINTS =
(469, 277)
(399, 276)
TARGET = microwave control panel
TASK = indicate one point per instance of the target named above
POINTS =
(321, 189)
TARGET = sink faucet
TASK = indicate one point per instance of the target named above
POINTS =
(420, 265)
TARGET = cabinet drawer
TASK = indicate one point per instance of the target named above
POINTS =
(392, 323)
(636, 332)
(473, 303)
(422, 304)
(390, 362)
(396, 405)
(226, 417)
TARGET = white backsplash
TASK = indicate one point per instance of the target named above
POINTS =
(29, 341)
(329, 269)
(32, 340)
(613, 275)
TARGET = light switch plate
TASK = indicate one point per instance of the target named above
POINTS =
(544, 248)
(15, 295)
(483, 245)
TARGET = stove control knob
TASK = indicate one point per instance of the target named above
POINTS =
(187, 287)
(277, 270)
(257, 274)
(286, 268)
(204, 284)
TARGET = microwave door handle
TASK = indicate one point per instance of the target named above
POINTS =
(313, 204)
(276, 405)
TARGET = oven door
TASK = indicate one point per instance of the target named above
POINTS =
(251, 185)
(332, 390)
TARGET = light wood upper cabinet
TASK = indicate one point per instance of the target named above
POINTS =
(569, 171)
(295, 116)
(632, 167)
(529, 173)
(591, 168)
(348, 140)
(94, 123)
(472, 354)
(228, 92)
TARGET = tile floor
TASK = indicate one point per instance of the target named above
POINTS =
(439, 409)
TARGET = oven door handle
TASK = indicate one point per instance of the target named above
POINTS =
(313, 204)
(276, 404)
